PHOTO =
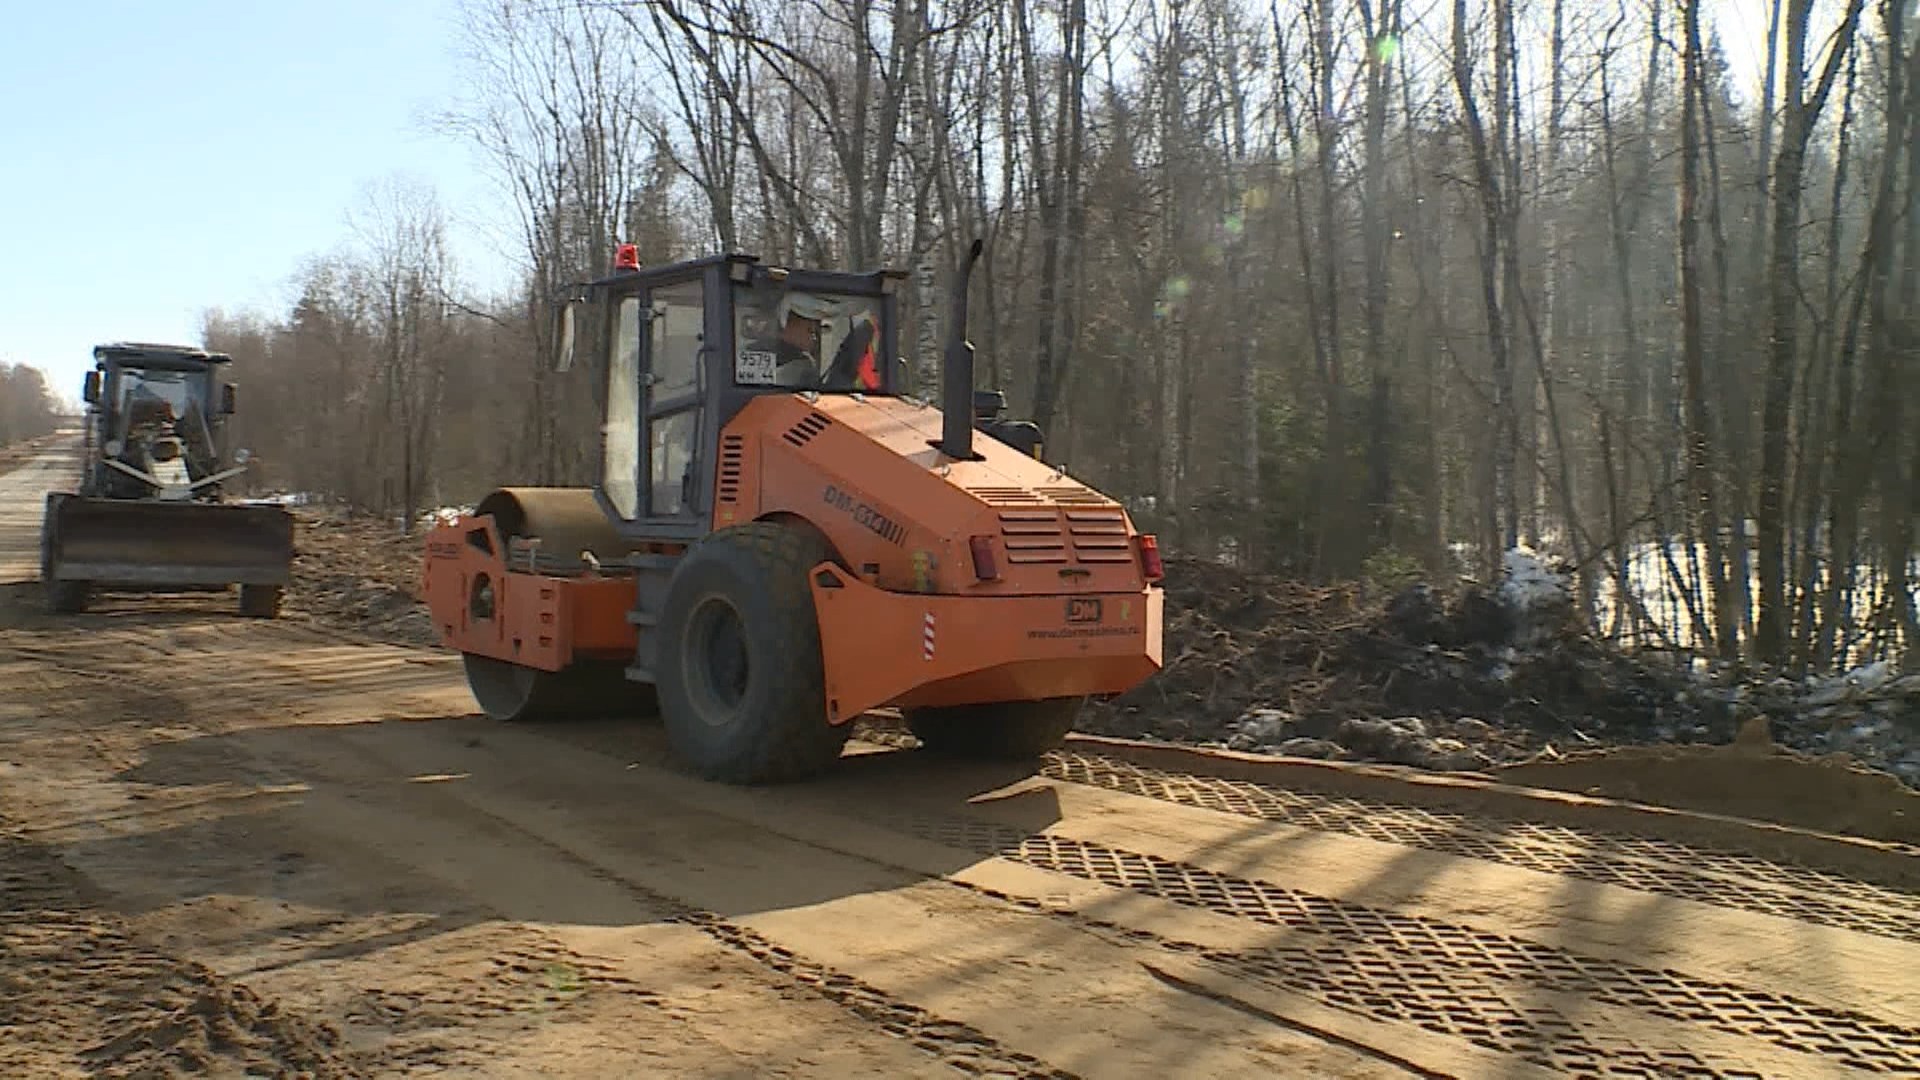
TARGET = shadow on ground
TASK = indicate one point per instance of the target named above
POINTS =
(586, 822)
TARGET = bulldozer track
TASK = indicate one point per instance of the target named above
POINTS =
(1663, 867)
(1487, 988)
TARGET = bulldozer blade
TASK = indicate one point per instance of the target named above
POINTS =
(122, 543)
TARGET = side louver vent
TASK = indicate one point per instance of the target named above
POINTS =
(732, 461)
(1007, 496)
(1074, 495)
(810, 425)
(1099, 536)
(1033, 536)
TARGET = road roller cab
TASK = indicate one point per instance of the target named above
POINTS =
(782, 538)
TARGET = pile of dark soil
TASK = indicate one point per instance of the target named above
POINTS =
(1261, 663)
(358, 573)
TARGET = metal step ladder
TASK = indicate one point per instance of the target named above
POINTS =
(652, 573)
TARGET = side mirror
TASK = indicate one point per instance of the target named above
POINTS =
(91, 392)
(563, 356)
(227, 399)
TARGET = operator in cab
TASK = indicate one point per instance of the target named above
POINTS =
(797, 352)
(786, 349)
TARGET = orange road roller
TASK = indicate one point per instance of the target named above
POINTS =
(782, 539)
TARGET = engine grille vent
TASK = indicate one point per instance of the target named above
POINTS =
(1033, 536)
(810, 425)
(1099, 536)
(1067, 495)
(1074, 495)
(1007, 496)
(732, 462)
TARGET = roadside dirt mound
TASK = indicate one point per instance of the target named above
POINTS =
(216, 1029)
(69, 972)
(1264, 663)
(1482, 683)
(358, 573)
(1749, 778)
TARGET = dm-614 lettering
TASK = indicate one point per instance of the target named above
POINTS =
(866, 516)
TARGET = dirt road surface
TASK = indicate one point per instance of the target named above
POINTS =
(240, 848)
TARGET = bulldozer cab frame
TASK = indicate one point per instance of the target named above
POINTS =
(137, 388)
(677, 351)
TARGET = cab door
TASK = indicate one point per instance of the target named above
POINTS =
(672, 392)
(655, 385)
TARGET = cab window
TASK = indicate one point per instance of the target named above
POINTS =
(621, 472)
(809, 341)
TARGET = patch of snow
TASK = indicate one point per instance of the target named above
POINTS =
(1538, 598)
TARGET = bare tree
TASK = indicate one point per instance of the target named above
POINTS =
(1503, 518)
(402, 232)
(1221, 272)
(1801, 113)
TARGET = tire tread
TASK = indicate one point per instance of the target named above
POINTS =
(795, 740)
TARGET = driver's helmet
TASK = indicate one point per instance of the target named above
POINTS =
(807, 306)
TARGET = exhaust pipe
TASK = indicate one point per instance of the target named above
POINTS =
(956, 391)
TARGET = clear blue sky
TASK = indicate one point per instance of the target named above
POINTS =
(157, 159)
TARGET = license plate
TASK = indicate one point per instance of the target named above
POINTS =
(754, 367)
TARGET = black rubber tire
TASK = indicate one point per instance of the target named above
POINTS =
(739, 612)
(1002, 731)
(260, 601)
(514, 693)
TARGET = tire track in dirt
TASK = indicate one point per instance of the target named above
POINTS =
(953, 1043)
(487, 972)
(492, 973)
(167, 1016)
(1662, 867)
(956, 1044)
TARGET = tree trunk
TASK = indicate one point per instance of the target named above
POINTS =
(1504, 525)
(1376, 228)
(1699, 417)
(1783, 294)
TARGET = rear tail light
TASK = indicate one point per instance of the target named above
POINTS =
(1150, 563)
(985, 567)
